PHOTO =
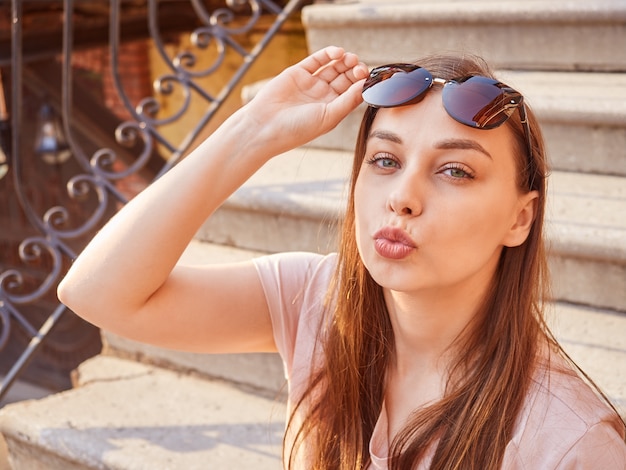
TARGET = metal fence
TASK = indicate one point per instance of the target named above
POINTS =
(96, 189)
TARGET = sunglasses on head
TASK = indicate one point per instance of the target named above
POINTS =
(476, 101)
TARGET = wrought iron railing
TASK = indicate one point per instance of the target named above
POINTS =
(59, 236)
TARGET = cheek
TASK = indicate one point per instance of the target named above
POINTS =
(479, 220)
(487, 226)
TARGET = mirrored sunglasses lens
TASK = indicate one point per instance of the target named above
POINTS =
(394, 86)
(480, 101)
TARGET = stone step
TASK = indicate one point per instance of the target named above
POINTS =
(124, 415)
(516, 34)
(295, 201)
(587, 334)
(582, 115)
(586, 226)
(259, 371)
(595, 340)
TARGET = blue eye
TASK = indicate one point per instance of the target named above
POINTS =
(386, 162)
(457, 171)
(383, 162)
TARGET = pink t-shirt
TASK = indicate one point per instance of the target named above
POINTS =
(563, 424)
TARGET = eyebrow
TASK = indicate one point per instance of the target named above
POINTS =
(385, 135)
(463, 144)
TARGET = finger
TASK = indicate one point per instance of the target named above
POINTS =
(357, 72)
(321, 58)
(337, 67)
(340, 75)
(347, 101)
(345, 80)
(341, 83)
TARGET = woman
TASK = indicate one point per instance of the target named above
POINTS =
(421, 343)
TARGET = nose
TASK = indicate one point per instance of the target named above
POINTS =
(405, 199)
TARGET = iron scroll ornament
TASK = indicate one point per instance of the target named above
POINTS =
(59, 234)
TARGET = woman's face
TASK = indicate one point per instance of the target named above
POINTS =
(435, 200)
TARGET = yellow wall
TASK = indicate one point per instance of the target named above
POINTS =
(286, 48)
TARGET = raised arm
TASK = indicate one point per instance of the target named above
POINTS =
(128, 281)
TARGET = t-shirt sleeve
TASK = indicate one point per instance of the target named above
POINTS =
(295, 286)
(600, 447)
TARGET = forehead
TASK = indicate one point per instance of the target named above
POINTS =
(428, 121)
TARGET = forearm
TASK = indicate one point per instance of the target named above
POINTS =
(133, 255)
(130, 262)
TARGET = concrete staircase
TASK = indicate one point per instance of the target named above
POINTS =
(139, 407)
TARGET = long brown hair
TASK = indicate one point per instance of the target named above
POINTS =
(497, 354)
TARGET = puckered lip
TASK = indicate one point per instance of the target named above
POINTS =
(394, 235)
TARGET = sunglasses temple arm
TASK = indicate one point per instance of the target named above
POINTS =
(529, 144)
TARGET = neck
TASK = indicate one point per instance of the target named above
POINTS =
(426, 324)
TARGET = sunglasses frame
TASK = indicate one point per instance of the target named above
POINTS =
(516, 99)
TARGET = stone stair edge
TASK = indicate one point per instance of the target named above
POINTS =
(556, 11)
(597, 98)
(579, 328)
(258, 373)
(512, 34)
(586, 239)
(67, 429)
(590, 334)
(290, 184)
(583, 115)
(201, 422)
(146, 417)
(599, 242)
(591, 337)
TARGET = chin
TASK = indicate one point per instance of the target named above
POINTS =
(395, 276)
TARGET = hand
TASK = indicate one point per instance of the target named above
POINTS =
(309, 98)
